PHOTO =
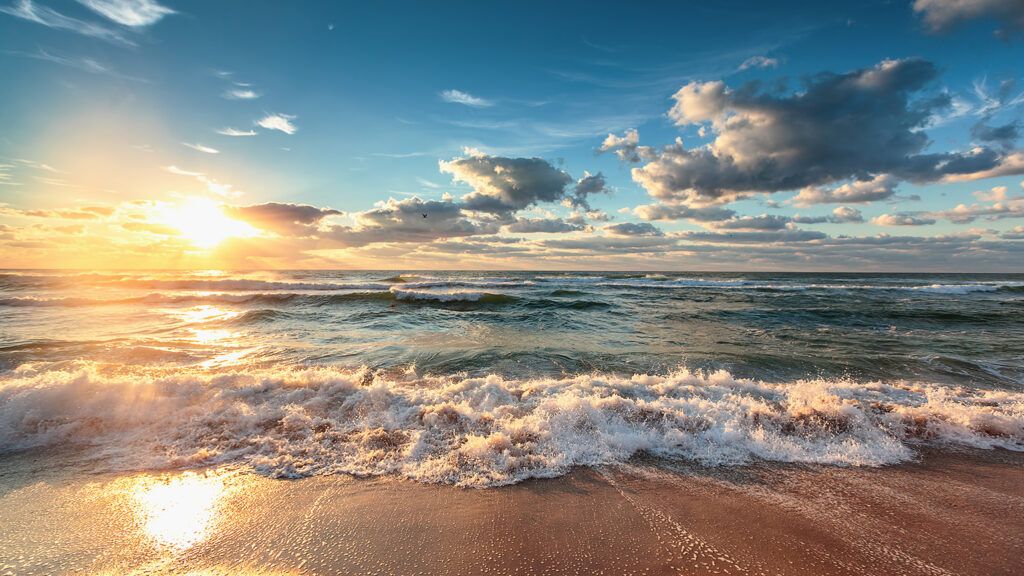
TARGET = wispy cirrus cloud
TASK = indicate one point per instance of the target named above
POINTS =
(759, 62)
(201, 148)
(235, 132)
(240, 94)
(212, 185)
(279, 122)
(29, 10)
(465, 98)
(133, 13)
(83, 63)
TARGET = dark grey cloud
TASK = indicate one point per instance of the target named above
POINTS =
(856, 126)
(588, 185)
(762, 222)
(504, 185)
(409, 220)
(633, 229)
(1005, 135)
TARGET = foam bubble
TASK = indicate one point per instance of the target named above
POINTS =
(483, 431)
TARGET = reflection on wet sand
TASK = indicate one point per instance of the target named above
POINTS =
(642, 518)
(180, 511)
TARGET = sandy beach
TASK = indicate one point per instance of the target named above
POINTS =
(949, 513)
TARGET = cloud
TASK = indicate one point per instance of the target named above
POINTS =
(627, 147)
(460, 97)
(680, 212)
(588, 185)
(150, 228)
(1002, 98)
(409, 220)
(902, 219)
(941, 15)
(633, 229)
(84, 63)
(504, 185)
(235, 132)
(756, 237)
(762, 222)
(212, 185)
(399, 155)
(846, 214)
(1003, 206)
(759, 62)
(240, 94)
(427, 183)
(286, 219)
(1017, 233)
(994, 194)
(134, 13)
(29, 10)
(852, 126)
(281, 122)
(1011, 164)
(80, 213)
(614, 245)
(542, 225)
(201, 148)
(879, 187)
(1005, 135)
(840, 215)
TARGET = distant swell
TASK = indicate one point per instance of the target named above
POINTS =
(483, 431)
(394, 294)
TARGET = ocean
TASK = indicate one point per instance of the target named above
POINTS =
(490, 378)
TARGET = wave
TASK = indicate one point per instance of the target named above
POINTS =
(451, 296)
(952, 289)
(485, 431)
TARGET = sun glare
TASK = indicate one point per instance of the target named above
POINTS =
(203, 223)
(179, 511)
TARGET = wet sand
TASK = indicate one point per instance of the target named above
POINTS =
(949, 513)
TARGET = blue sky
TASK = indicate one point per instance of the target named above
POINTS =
(124, 102)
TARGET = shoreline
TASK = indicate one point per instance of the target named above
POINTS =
(949, 512)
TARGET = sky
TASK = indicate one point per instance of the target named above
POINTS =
(734, 135)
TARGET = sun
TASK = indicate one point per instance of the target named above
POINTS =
(202, 222)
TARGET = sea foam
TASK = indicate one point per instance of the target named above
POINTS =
(482, 431)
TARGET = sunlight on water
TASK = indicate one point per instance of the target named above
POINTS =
(178, 512)
(228, 359)
(200, 314)
(211, 336)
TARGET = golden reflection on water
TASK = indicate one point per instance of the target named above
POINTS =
(211, 336)
(203, 313)
(179, 511)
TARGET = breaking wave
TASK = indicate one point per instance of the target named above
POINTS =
(483, 431)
